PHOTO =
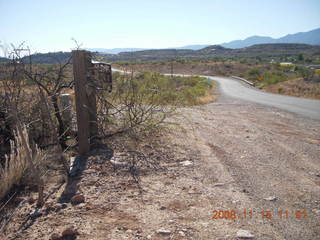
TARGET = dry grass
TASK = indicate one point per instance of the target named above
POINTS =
(211, 95)
(16, 163)
(296, 87)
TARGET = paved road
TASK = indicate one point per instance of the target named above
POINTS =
(235, 89)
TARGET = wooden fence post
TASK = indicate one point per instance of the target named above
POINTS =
(86, 74)
(81, 62)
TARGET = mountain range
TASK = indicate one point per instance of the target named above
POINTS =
(266, 51)
(311, 37)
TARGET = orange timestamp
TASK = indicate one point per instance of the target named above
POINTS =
(262, 214)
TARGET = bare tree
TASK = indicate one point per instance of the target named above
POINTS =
(52, 80)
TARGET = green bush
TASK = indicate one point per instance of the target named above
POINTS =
(164, 90)
(306, 73)
(254, 73)
(274, 76)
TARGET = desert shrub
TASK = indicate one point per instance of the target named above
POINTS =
(274, 76)
(306, 73)
(254, 73)
(143, 101)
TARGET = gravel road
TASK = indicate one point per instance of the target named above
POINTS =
(267, 159)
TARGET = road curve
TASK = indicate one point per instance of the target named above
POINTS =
(233, 88)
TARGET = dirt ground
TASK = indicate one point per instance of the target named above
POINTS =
(258, 164)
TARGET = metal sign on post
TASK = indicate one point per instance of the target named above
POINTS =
(89, 76)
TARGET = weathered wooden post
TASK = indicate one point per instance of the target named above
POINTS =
(84, 94)
(88, 75)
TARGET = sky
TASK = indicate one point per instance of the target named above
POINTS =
(49, 25)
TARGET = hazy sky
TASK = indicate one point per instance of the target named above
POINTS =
(49, 25)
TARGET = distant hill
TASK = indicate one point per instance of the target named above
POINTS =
(114, 50)
(3, 59)
(311, 37)
(274, 50)
(193, 47)
(48, 58)
(265, 50)
(119, 50)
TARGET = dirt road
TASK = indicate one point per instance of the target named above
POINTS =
(259, 165)
(266, 160)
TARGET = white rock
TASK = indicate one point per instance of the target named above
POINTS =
(186, 163)
(119, 164)
(244, 234)
(271, 198)
(316, 212)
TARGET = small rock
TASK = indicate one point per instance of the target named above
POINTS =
(70, 231)
(79, 198)
(245, 190)
(182, 234)
(271, 198)
(218, 184)
(164, 232)
(120, 164)
(186, 163)
(55, 236)
(36, 213)
(89, 171)
(171, 222)
(122, 228)
(318, 174)
(316, 212)
(162, 208)
(244, 234)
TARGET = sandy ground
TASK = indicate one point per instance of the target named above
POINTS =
(248, 160)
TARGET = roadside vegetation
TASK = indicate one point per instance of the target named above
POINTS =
(166, 89)
(283, 75)
(30, 94)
